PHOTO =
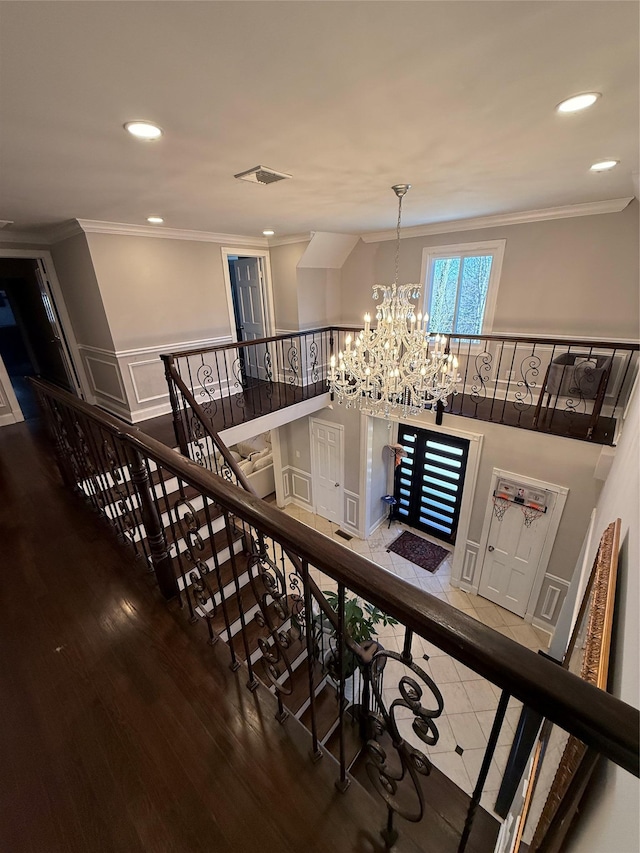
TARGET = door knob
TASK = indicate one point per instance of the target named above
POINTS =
(491, 548)
(336, 485)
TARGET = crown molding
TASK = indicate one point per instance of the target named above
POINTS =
(291, 238)
(91, 226)
(567, 211)
(68, 229)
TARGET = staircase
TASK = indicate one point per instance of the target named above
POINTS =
(247, 591)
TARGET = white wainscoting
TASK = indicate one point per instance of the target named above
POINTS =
(105, 378)
(131, 383)
(468, 578)
(351, 512)
(296, 487)
(550, 601)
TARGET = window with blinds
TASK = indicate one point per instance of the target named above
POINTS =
(429, 481)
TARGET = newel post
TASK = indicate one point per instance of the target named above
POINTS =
(178, 426)
(160, 559)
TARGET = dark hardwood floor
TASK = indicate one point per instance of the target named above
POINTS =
(122, 730)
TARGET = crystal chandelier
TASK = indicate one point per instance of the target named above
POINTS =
(397, 367)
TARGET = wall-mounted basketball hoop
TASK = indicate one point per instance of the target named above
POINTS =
(532, 502)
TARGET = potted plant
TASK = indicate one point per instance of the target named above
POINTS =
(360, 621)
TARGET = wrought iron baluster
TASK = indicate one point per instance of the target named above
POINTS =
(223, 598)
(132, 501)
(343, 781)
(196, 581)
(316, 753)
(483, 362)
(229, 525)
(331, 355)
(529, 371)
(172, 540)
(496, 380)
(484, 769)
(222, 390)
(387, 778)
(506, 396)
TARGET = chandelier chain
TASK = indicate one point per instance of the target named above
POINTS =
(397, 273)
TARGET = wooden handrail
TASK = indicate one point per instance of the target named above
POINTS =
(240, 344)
(632, 346)
(596, 717)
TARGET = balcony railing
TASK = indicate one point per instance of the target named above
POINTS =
(224, 554)
(571, 388)
(234, 383)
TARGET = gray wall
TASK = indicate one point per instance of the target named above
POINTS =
(158, 291)
(319, 298)
(79, 285)
(609, 813)
(296, 436)
(561, 461)
(576, 276)
(284, 261)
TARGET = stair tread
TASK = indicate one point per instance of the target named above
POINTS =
(326, 708)
(234, 603)
(353, 744)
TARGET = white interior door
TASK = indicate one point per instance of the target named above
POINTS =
(511, 559)
(327, 466)
(251, 309)
(58, 337)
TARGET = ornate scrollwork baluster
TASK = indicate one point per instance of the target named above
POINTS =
(124, 504)
(238, 370)
(387, 778)
(583, 387)
(204, 375)
(313, 355)
(529, 370)
(268, 372)
(294, 364)
(189, 526)
(481, 378)
(280, 596)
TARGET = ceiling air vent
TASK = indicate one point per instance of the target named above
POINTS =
(262, 175)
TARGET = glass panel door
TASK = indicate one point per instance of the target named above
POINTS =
(429, 481)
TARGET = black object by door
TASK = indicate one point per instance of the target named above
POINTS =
(429, 481)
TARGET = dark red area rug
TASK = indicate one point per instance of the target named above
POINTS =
(420, 551)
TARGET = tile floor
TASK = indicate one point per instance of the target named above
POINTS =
(470, 701)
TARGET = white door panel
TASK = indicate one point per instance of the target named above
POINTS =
(327, 470)
(512, 557)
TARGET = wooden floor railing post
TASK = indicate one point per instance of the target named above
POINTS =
(160, 558)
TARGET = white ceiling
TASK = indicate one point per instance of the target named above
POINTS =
(456, 98)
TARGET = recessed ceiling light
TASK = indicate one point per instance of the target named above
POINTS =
(603, 165)
(155, 220)
(578, 102)
(143, 129)
(268, 232)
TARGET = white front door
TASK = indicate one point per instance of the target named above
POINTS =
(327, 464)
(512, 557)
(251, 314)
